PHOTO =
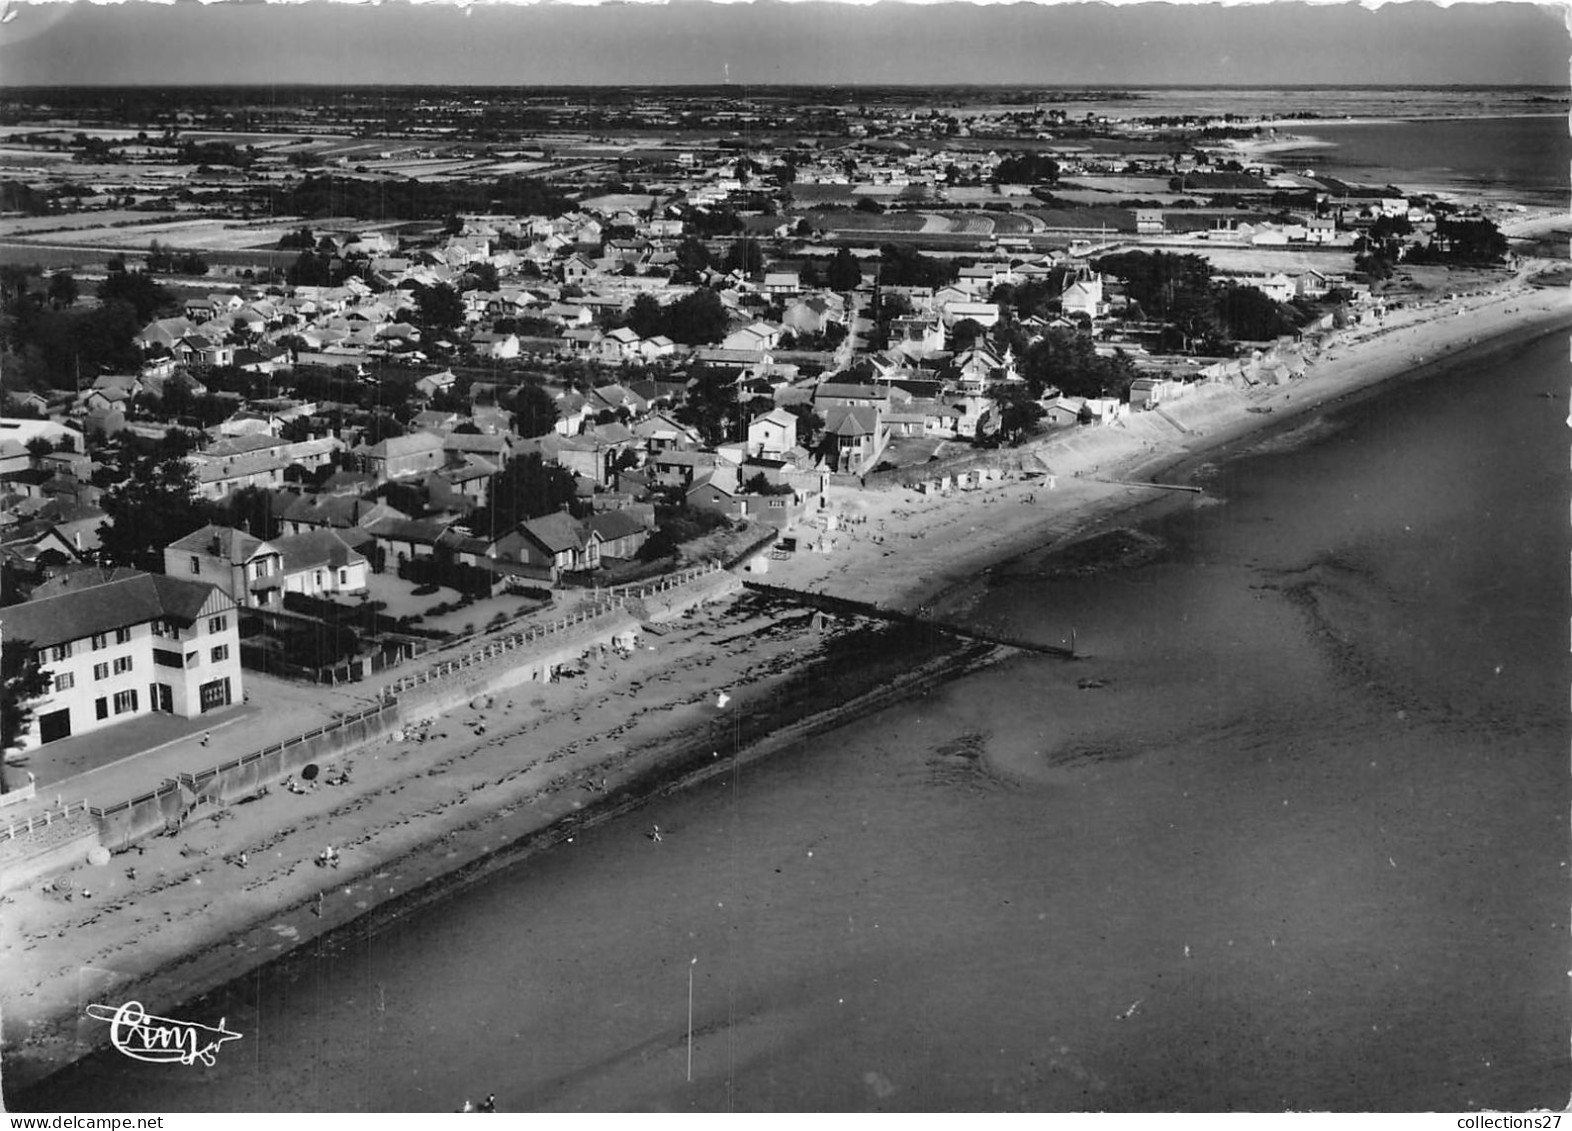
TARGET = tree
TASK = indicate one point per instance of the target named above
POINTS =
(142, 292)
(693, 258)
(62, 289)
(964, 333)
(1026, 169)
(38, 448)
(844, 272)
(21, 682)
(1019, 412)
(902, 266)
(534, 412)
(647, 319)
(479, 277)
(154, 505)
(1068, 360)
(698, 318)
(1251, 315)
(711, 407)
(439, 308)
(527, 488)
(745, 256)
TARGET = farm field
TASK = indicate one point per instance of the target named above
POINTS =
(198, 235)
(1266, 260)
(90, 259)
(68, 221)
(1114, 219)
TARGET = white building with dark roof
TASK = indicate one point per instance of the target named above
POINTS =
(146, 643)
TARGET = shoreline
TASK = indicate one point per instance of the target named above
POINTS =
(418, 842)
(408, 874)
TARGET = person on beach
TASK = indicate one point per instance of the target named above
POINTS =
(207, 736)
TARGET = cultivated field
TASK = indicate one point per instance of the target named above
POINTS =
(1267, 260)
(67, 222)
(183, 234)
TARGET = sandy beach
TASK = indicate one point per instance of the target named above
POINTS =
(903, 549)
(457, 796)
(189, 912)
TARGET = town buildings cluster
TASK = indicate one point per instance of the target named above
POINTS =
(723, 338)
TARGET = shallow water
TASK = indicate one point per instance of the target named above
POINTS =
(1525, 157)
(1305, 849)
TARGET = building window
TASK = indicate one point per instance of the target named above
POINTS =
(64, 682)
(220, 654)
(158, 628)
(101, 706)
(173, 629)
(60, 652)
(217, 624)
(196, 564)
(167, 659)
(122, 664)
(191, 659)
(100, 641)
(319, 579)
(100, 671)
(125, 701)
(343, 577)
(122, 636)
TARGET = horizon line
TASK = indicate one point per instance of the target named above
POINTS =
(733, 85)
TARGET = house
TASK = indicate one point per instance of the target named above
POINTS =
(218, 478)
(243, 567)
(576, 269)
(256, 574)
(338, 512)
(320, 563)
(985, 314)
(854, 438)
(147, 643)
(783, 283)
(721, 492)
(759, 337)
(676, 468)
(621, 344)
(557, 542)
(833, 394)
(1149, 221)
(813, 315)
(400, 457)
(402, 540)
(772, 434)
(661, 431)
(978, 368)
(1278, 287)
(621, 533)
(502, 346)
(1083, 296)
(1311, 284)
(431, 384)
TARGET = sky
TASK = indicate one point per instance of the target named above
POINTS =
(769, 41)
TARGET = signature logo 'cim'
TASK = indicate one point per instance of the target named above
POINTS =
(161, 1040)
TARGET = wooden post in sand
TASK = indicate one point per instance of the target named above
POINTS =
(1072, 642)
(691, 965)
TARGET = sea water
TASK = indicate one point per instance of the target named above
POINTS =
(1300, 842)
(1519, 158)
